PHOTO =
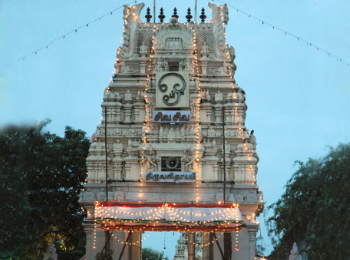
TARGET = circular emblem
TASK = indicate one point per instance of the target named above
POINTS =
(175, 93)
(172, 162)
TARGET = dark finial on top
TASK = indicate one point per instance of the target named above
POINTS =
(175, 13)
(148, 15)
(203, 16)
(161, 16)
(189, 16)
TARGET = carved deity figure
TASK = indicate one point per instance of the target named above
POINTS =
(162, 65)
(218, 96)
(182, 131)
(227, 148)
(143, 131)
(183, 64)
(108, 95)
(117, 131)
(152, 161)
(161, 131)
(93, 138)
(221, 70)
(132, 131)
(227, 132)
(129, 143)
(206, 95)
(232, 53)
(165, 65)
(117, 146)
(294, 254)
(205, 50)
(188, 160)
(128, 95)
(122, 68)
(143, 50)
(50, 253)
(226, 67)
(119, 67)
(171, 133)
(174, 23)
(253, 140)
(211, 131)
(159, 66)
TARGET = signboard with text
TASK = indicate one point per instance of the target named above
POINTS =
(171, 116)
(155, 176)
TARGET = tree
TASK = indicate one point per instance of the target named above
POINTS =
(41, 175)
(259, 247)
(314, 210)
(151, 254)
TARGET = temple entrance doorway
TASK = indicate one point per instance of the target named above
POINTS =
(200, 228)
(162, 242)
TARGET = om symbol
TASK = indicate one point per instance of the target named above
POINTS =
(175, 92)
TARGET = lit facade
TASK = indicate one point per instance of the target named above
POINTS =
(163, 115)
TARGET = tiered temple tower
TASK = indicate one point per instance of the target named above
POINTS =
(165, 106)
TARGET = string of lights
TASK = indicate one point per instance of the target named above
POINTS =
(46, 46)
(308, 43)
(113, 219)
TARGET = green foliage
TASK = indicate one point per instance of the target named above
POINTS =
(315, 208)
(151, 254)
(103, 256)
(41, 175)
(75, 252)
(259, 247)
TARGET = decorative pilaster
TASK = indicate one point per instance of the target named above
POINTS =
(127, 112)
(252, 230)
(228, 113)
(118, 107)
(207, 107)
(218, 113)
(89, 242)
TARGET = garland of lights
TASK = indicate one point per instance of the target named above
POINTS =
(184, 224)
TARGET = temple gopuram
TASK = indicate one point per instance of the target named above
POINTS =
(172, 152)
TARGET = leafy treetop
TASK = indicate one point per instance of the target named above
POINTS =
(314, 210)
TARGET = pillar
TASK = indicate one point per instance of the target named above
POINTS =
(89, 239)
(208, 249)
(133, 247)
(252, 229)
(191, 246)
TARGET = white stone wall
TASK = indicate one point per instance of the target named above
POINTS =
(136, 144)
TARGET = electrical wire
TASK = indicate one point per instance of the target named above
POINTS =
(287, 33)
(64, 35)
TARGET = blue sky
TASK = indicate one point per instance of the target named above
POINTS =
(298, 98)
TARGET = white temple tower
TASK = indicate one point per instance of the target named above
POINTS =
(164, 134)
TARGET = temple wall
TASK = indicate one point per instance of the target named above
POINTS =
(166, 68)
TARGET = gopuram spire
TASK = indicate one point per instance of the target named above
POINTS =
(173, 129)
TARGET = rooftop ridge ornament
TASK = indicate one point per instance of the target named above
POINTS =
(174, 23)
(148, 15)
(165, 162)
(175, 13)
(203, 16)
(161, 16)
(189, 16)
